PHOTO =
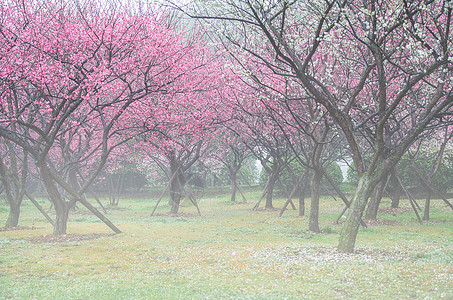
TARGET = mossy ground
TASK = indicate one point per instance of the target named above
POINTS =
(228, 252)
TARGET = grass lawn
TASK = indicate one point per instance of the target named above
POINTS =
(228, 252)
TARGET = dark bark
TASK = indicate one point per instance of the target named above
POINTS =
(176, 186)
(233, 187)
(60, 205)
(341, 194)
(179, 164)
(301, 188)
(175, 196)
(163, 193)
(14, 204)
(301, 205)
(302, 200)
(77, 197)
(115, 189)
(270, 189)
(61, 221)
(14, 191)
(315, 185)
(396, 193)
(373, 204)
(351, 226)
(13, 216)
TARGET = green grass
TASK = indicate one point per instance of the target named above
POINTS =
(230, 252)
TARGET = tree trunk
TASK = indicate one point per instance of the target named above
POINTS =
(175, 195)
(270, 189)
(302, 201)
(48, 174)
(396, 195)
(176, 186)
(427, 204)
(14, 205)
(351, 227)
(315, 185)
(61, 207)
(233, 187)
(13, 194)
(111, 191)
(115, 188)
(61, 221)
(373, 204)
(13, 216)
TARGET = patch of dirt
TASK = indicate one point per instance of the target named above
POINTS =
(376, 222)
(115, 207)
(237, 202)
(18, 228)
(178, 215)
(303, 234)
(382, 222)
(267, 209)
(80, 213)
(66, 238)
(307, 234)
(394, 211)
(438, 221)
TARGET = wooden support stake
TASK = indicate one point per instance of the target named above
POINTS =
(410, 200)
(39, 207)
(262, 196)
(340, 193)
(97, 200)
(87, 204)
(342, 213)
(92, 192)
(420, 176)
(193, 200)
(293, 192)
(164, 191)
(240, 191)
(287, 194)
